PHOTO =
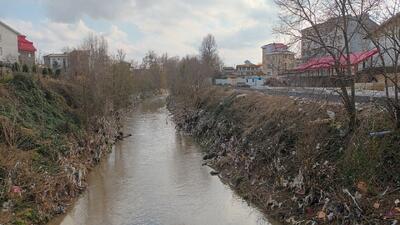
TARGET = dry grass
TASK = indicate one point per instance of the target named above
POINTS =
(268, 140)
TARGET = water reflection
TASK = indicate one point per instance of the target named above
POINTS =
(156, 177)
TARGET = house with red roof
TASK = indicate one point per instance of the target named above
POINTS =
(26, 51)
(14, 47)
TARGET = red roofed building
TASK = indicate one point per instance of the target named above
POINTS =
(26, 51)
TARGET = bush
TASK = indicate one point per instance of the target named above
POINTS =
(45, 72)
(34, 69)
(15, 67)
(25, 68)
(58, 73)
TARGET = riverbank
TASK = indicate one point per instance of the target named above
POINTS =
(156, 177)
(46, 152)
(294, 158)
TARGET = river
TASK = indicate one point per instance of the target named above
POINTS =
(156, 177)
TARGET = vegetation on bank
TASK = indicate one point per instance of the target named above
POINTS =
(296, 159)
(53, 130)
(39, 130)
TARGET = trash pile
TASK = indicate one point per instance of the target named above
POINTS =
(296, 159)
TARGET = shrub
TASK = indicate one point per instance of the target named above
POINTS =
(34, 69)
(44, 71)
(58, 73)
(15, 67)
(25, 68)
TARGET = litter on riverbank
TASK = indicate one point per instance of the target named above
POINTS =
(297, 159)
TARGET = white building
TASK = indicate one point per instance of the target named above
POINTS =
(252, 81)
(332, 36)
(388, 35)
(8, 44)
(56, 61)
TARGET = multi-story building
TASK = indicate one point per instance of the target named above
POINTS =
(248, 69)
(388, 35)
(332, 36)
(276, 58)
(8, 44)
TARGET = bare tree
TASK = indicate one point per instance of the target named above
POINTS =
(386, 38)
(326, 28)
(209, 53)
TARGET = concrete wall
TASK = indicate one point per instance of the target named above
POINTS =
(8, 45)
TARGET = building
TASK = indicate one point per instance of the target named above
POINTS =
(388, 35)
(14, 47)
(332, 36)
(228, 70)
(276, 58)
(79, 62)
(248, 69)
(56, 61)
(246, 75)
(241, 81)
(26, 51)
(8, 44)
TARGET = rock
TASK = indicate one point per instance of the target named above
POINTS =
(214, 173)
(377, 205)
(7, 206)
(331, 114)
(358, 195)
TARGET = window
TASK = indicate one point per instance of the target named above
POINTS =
(1, 51)
(0, 37)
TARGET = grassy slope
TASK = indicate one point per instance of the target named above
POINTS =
(43, 149)
(290, 156)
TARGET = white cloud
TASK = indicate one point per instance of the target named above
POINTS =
(241, 27)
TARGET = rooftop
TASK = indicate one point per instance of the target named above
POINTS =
(25, 45)
(276, 48)
(56, 55)
(9, 28)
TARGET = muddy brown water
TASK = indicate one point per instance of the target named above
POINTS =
(156, 177)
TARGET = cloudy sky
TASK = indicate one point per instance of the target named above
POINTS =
(241, 27)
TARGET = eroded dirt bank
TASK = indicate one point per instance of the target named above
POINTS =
(296, 159)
